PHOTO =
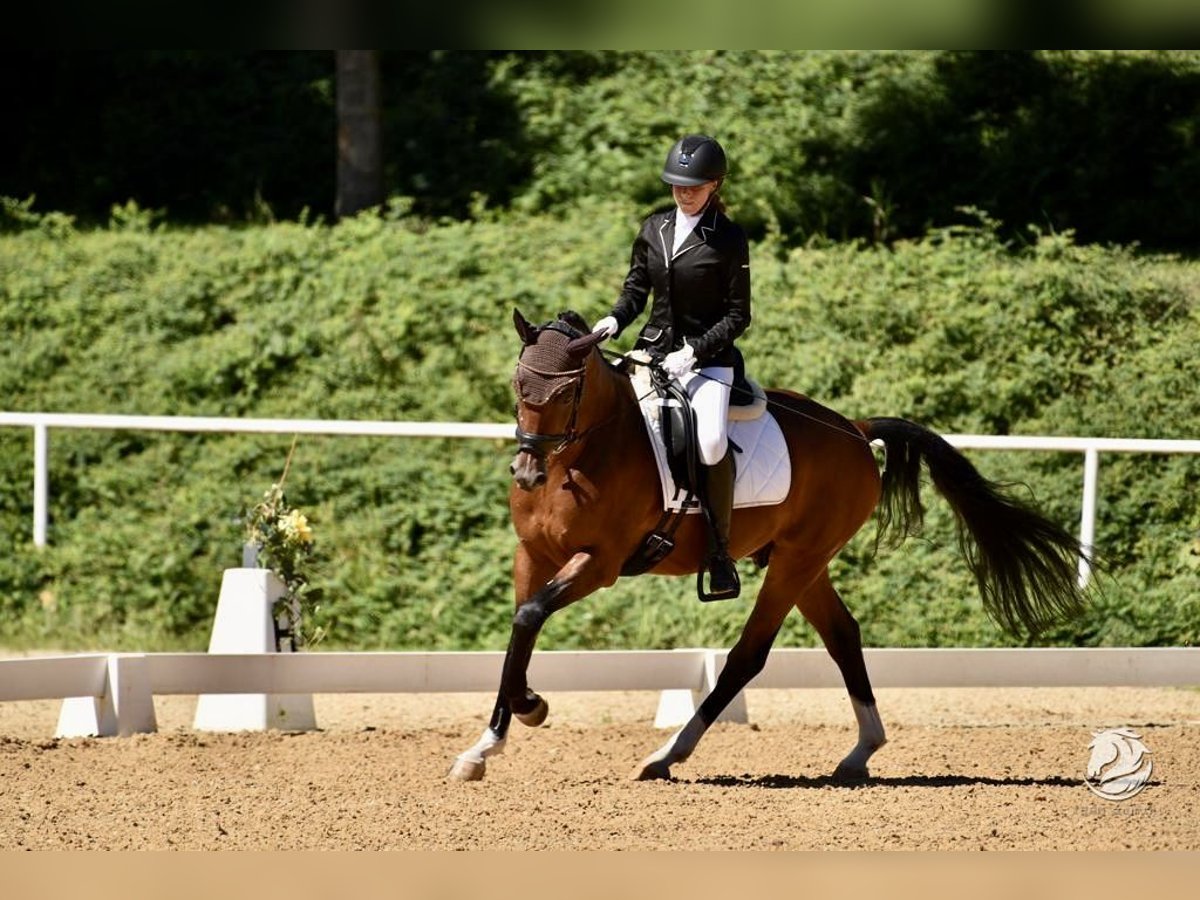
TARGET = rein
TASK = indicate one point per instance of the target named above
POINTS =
(539, 444)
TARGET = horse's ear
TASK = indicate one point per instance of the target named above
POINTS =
(527, 331)
(581, 346)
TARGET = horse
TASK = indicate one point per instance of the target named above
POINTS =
(586, 491)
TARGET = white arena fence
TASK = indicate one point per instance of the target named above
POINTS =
(125, 683)
(41, 423)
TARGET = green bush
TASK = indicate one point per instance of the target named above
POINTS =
(397, 317)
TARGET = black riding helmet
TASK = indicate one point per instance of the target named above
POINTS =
(695, 159)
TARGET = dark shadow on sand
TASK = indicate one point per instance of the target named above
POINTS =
(930, 781)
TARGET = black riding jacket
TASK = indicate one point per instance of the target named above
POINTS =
(701, 293)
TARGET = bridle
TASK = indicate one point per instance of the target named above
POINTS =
(538, 445)
(534, 443)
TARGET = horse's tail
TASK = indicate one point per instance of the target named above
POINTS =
(1026, 566)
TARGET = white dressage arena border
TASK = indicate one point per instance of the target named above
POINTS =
(124, 684)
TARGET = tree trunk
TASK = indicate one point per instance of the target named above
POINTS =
(359, 132)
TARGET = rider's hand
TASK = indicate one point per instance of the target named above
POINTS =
(609, 325)
(681, 361)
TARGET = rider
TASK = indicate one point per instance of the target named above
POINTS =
(697, 263)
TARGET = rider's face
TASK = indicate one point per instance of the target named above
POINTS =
(692, 199)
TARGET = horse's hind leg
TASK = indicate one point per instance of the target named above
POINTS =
(745, 660)
(824, 609)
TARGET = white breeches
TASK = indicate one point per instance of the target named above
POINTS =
(709, 390)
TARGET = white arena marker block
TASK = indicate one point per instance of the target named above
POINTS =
(86, 717)
(244, 624)
(126, 707)
(676, 707)
(129, 683)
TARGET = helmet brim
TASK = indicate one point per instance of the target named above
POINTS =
(684, 180)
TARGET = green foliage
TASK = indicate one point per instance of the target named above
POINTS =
(397, 317)
(969, 336)
(883, 144)
(19, 215)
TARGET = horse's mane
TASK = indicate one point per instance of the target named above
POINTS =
(575, 320)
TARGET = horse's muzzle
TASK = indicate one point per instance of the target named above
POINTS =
(528, 470)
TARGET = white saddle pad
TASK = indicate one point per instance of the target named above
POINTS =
(764, 470)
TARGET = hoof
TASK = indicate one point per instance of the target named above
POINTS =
(467, 770)
(848, 774)
(653, 770)
(536, 716)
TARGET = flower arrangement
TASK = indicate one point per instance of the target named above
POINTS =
(280, 538)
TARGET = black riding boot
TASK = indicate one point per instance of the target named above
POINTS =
(723, 581)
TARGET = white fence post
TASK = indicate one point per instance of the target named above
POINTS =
(41, 482)
(1087, 520)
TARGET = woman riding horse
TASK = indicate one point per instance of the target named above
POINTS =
(585, 492)
(697, 263)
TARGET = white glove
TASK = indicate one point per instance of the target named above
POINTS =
(609, 325)
(680, 362)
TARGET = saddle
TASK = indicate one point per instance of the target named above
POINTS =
(677, 422)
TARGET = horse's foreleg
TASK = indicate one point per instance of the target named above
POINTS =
(822, 606)
(470, 765)
(745, 660)
(574, 580)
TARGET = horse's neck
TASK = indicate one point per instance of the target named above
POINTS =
(608, 393)
(609, 427)
(607, 396)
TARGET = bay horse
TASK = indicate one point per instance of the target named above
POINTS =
(585, 493)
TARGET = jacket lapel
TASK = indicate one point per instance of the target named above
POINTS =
(705, 227)
(666, 235)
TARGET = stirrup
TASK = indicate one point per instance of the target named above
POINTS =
(723, 579)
